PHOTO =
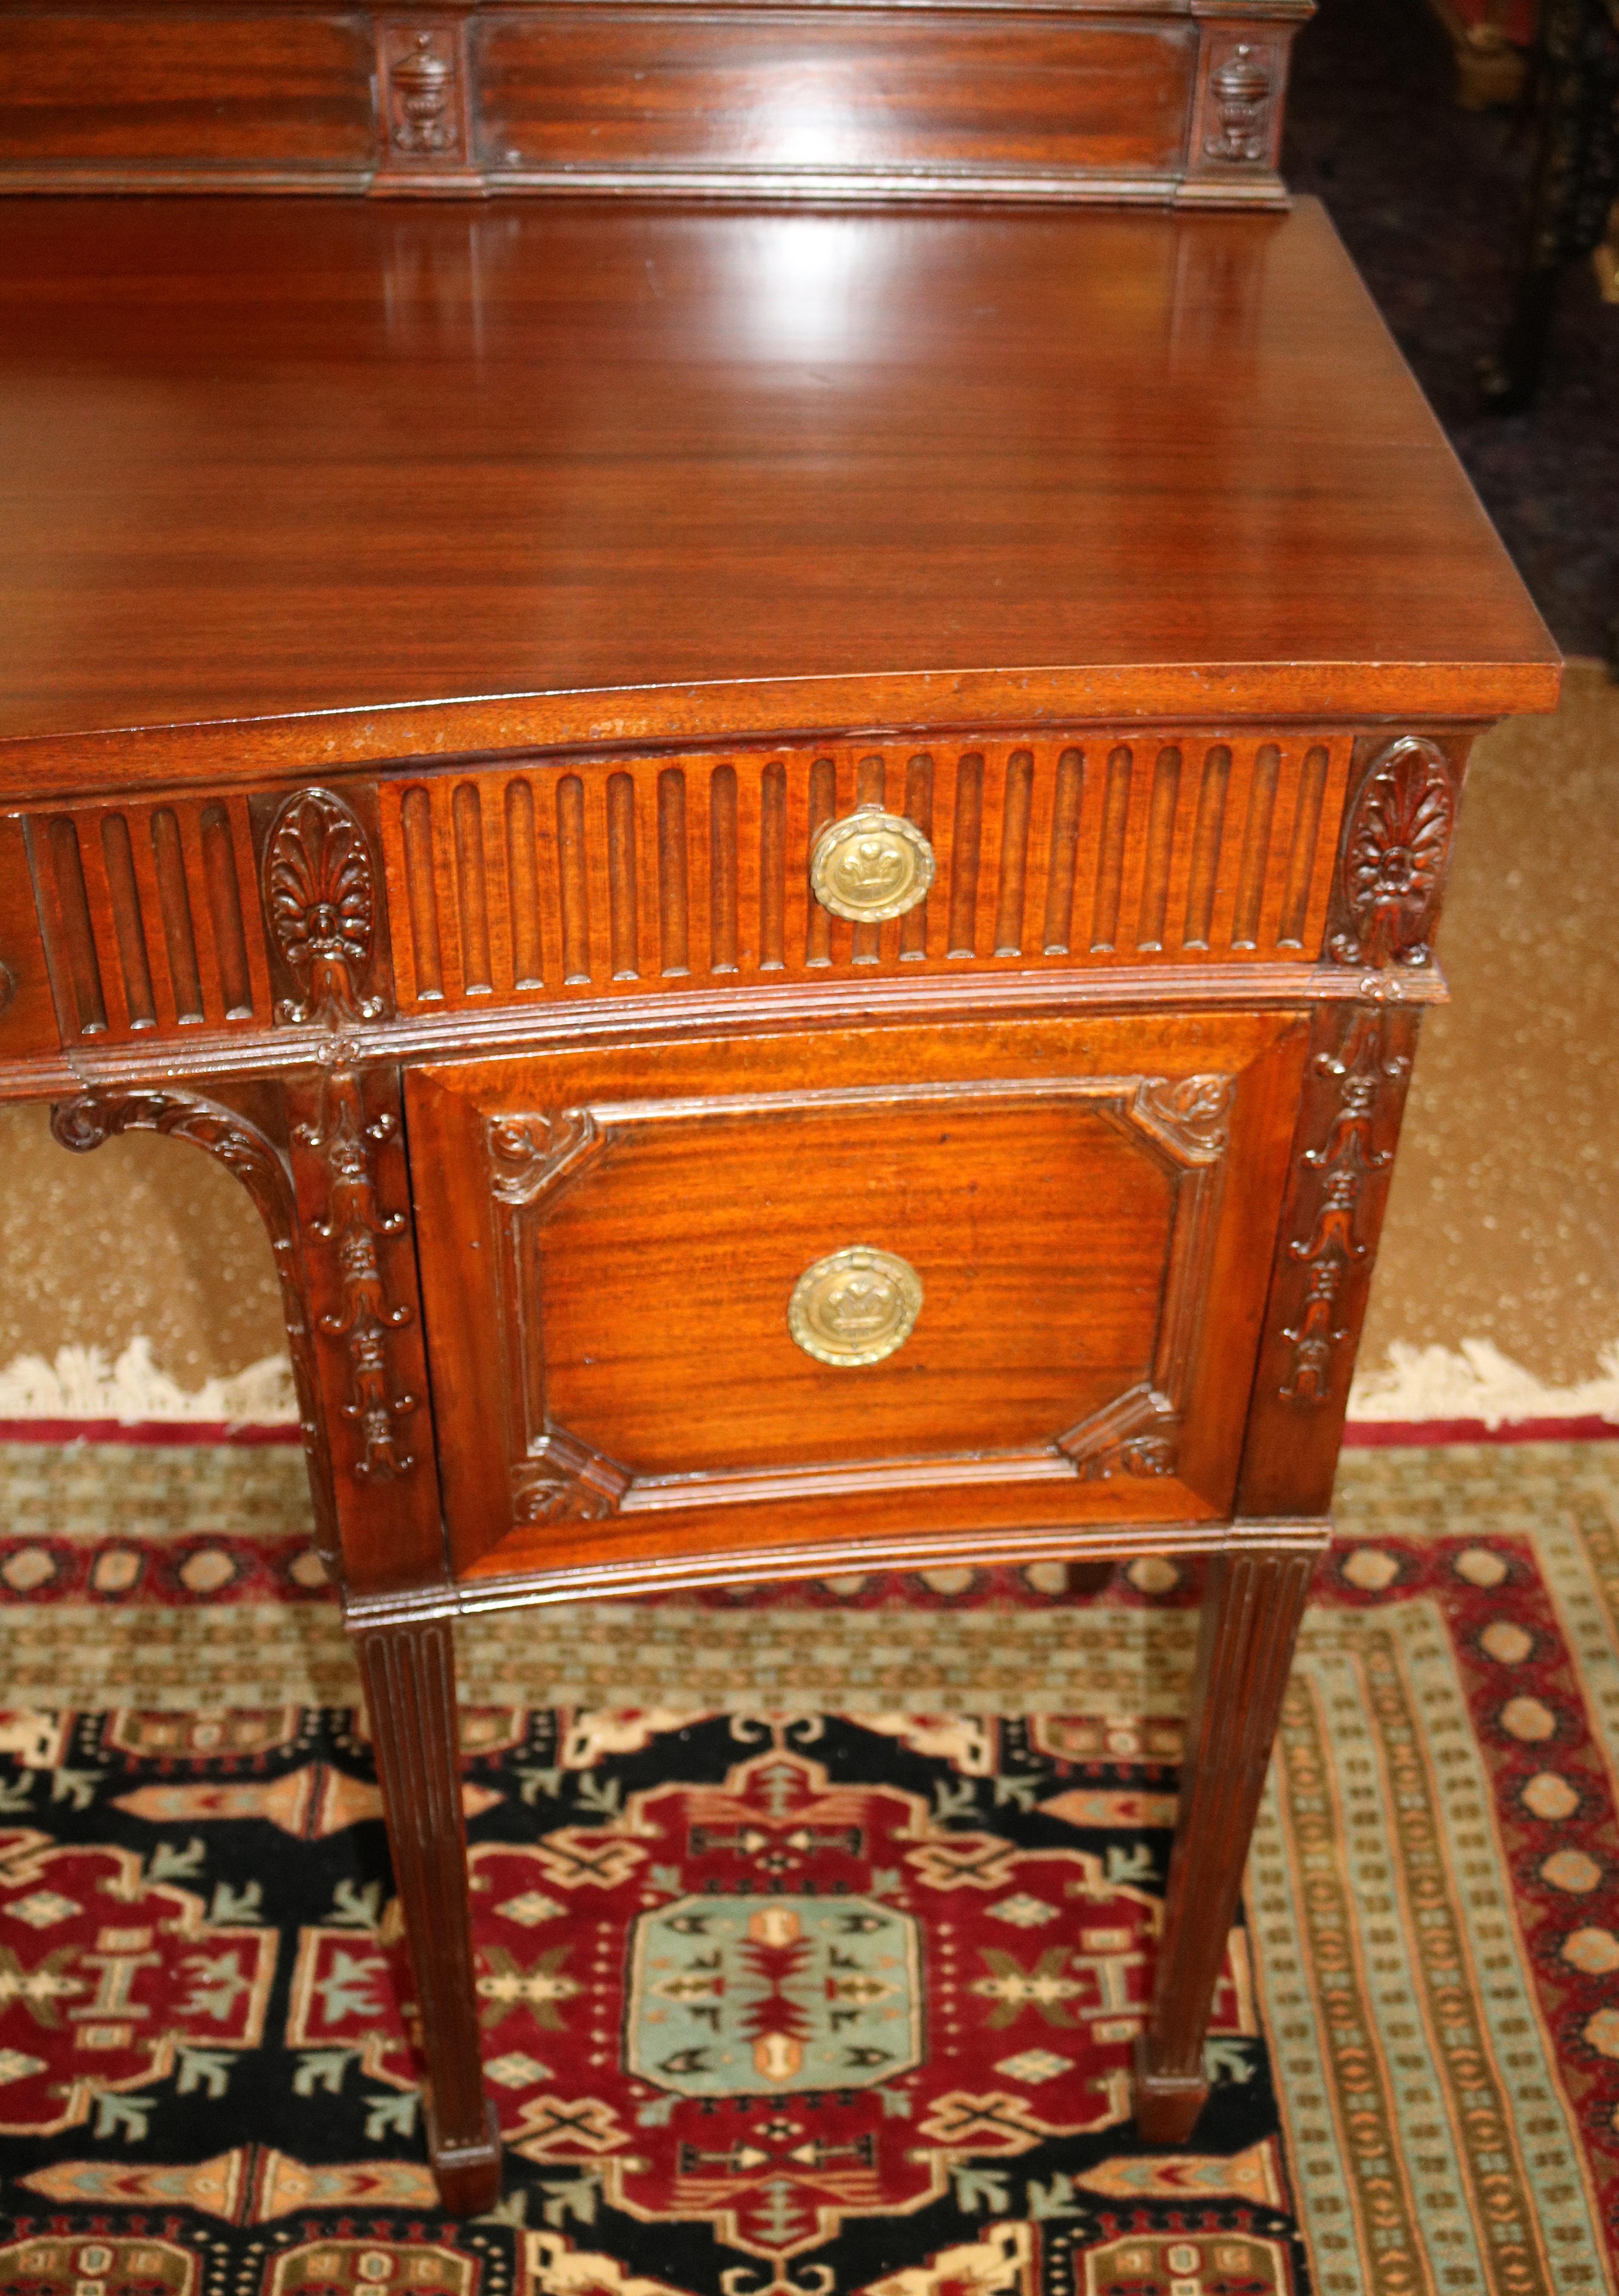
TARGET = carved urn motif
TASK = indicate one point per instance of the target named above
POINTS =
(422, 82)
(1241, 91)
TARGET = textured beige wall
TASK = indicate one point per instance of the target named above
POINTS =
(145, 1236)
(1504, 1222)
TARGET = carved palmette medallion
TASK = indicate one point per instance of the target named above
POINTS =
(320, 904)
(1395, 846)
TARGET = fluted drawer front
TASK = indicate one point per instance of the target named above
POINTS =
(151, 913)
(631, 874)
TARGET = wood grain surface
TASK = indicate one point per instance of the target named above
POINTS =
(531, 474)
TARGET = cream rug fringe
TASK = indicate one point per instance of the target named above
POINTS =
(82, 1384)
(1480, 1382)
(1415, 1384)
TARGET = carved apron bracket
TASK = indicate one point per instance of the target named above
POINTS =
(92, 1117)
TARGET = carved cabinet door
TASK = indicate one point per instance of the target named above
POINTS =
(752, 1291)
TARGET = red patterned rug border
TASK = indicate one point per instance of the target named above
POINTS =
(1429, 1434)
(184, 1432)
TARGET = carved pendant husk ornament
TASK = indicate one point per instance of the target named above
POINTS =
(1345, 1158)
(354, 1221)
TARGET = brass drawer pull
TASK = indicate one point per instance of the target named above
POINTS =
(855, 1306)
(871, 865)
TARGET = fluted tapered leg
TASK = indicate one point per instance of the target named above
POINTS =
(1251, 1612)
(409, 1674)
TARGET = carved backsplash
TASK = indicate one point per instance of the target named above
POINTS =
(1146, 101)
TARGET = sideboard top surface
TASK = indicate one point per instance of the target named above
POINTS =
(481, 477)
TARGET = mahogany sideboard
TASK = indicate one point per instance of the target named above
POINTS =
(796, 853)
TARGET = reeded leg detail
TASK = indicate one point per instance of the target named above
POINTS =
(1251, 1612)
(409, 1674)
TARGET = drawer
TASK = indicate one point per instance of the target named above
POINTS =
(638, 876)
(753, 1292)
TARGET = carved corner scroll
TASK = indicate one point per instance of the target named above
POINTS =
(1139, 1434)
(565, 1480)
(85, 1123)
(1396, 841)
(1190, 1116)
(1348, 1155)
(531, 1155)
(320, 902)
(364, 1318)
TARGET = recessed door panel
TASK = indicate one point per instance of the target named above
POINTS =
(745, 1285)
(1037, 1225)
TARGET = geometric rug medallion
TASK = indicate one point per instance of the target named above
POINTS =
(828, 2002)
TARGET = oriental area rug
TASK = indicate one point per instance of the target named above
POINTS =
(815, 1923)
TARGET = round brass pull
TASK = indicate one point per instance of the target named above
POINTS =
(871, 865)
(855, 1306)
